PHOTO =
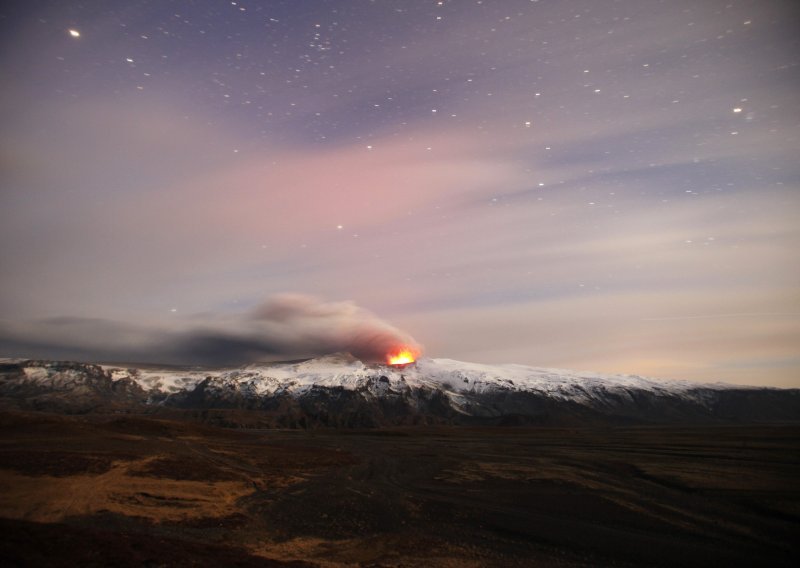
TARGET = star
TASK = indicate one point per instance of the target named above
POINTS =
(74, 33)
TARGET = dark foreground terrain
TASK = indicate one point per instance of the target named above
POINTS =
(114, 490)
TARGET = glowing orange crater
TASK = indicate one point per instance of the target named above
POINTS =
(401, 357)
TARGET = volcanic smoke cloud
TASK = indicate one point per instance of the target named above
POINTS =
(286, 326)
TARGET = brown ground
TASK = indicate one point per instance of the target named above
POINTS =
(122, 491)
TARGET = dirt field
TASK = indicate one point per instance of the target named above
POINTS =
(135, 491)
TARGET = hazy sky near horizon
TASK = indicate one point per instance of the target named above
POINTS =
(603, 185)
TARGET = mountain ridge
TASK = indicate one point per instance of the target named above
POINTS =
(340, 390)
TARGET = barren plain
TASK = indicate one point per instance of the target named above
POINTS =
(128, 491)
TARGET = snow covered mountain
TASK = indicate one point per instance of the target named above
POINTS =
(340, 390)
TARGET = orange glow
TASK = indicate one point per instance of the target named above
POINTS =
(401, 357)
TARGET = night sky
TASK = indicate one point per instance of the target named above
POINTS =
(604, 185)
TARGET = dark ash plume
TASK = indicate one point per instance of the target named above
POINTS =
(287, 326)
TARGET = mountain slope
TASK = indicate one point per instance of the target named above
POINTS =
(340, 390)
